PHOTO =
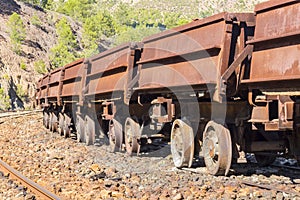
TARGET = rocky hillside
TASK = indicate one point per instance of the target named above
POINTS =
(19, 71)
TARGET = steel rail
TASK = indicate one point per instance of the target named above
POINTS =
(18, 113)
(269, 187)
(29, 184)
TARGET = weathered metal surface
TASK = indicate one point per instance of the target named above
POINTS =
(53, 90)
(55, 76)
(157, 113)
(71, 79)
(276, 45)
(45, 80)
(259, 146)
(217, 149)
(193, 54)
(62, 82)
(182, 144)
(105, 84)
(73, 70)
(107, 71)
(132, 133)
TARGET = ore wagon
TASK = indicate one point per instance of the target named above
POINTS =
(58, 93)
(273, 80)
(180, 94)
(104, 102)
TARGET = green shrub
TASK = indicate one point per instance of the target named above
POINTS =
(40, 67)
(4, 100)
(17, 31)
(6, 77)
(1, 92)
(66, 49)
(134, 34)
(35, 20)
(23, 65)
(94, 29)
(21, 92)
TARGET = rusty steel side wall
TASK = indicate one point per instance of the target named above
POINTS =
(70, 80)
(276, 56)
(63, 82)
(42, 87)
(53, 83)
(106, 71)
(193, 54)
(38, 91)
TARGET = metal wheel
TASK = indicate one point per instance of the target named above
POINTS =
(67, 125)
(46, 119)
(89, 130)
(54, 122)
(50, 122)
(61, 122)
(80, 129)
(132, 134)
(115, 134)
(217, 149)
(182, 144)
(264, 160)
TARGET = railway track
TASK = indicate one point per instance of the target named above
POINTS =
(29, 184)
(16, 114)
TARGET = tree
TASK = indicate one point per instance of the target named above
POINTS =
(95, 28)
(65, 33)
(135, 35)
(65, 50)
(79, 9)
(17, 31)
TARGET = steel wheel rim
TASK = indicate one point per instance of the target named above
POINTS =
(54, 123)
(61, 120)
(116, 134)
(211, 154)
(131, 134)
(67, 130)
(177, 147)
(217, 149)
(80, 130)
(182, 144)
(46, 120)
(50, 122)
(89, 131)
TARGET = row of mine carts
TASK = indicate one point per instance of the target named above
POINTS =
(215, 88)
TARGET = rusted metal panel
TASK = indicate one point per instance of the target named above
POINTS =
(72, 70)
(71, 89)
(43, 93)
(106, 71)
(38, 89)
(111, 83)
(55, 76)
(71, 77)
(193, 54)
(276, 45)
(53, 91)
(179, 73)
(111, 59)
(276, 64)
(260, 146)
(45, 80)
